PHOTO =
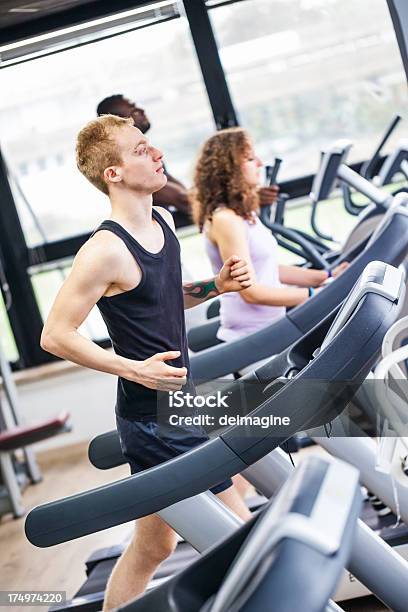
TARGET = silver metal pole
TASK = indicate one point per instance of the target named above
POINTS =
(361, 184)
(12, 398)
(202, 520)
(372, 561)
(361, 452)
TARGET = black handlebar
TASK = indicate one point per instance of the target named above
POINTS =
(369, 168)
(272, 172)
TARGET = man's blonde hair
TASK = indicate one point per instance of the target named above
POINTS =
(96, 148)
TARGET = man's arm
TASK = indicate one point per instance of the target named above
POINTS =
(95, 268)
(91, 275)
(268, 195)
(196, 292)
(235, 275)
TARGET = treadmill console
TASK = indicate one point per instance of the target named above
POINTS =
(393, 163)
(377, 277)
(325, 178)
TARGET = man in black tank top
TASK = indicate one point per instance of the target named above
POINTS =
(130, 268)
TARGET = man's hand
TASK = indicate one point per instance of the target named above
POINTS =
(154, 373)
(268, 195)
(235, 275)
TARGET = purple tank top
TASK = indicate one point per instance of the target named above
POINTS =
(237, 317)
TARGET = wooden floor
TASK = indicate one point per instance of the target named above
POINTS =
(25, 567)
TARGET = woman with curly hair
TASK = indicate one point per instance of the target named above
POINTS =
(225, 201)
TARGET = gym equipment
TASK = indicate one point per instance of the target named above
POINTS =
(359, 452)
(16, 473)
(372, 170)
(389, 244)
(333, 167)
(277, 556)
(383, 466)
(296, 241)
(371, 220)
(350, 448)
(391, 392)
(309, 247)
(396, 162)
(353, 340)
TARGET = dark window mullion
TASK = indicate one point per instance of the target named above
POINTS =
(399, 15)
(24, 314)
(210, 64)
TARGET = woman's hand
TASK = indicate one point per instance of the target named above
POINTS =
(268, 195)
(340, 268)
(334, 273)
(235, 275)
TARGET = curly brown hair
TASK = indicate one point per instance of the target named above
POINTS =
(218, 177)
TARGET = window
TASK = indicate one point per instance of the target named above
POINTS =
(308, 72)
(46, 285)
(6, 338)
(48, 100)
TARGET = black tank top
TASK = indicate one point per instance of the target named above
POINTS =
(148, 319)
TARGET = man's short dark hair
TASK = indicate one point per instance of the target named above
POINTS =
(109, 106)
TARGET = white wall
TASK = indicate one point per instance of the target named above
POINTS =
(87, 395)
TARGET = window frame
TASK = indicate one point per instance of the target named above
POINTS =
(16, 257)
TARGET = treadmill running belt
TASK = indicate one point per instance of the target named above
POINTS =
(183, 556)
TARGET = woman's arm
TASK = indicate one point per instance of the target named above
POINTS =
(308, 277)
(233, 276)
(228, 232)
(302, 277)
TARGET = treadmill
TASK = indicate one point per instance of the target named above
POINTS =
(389, 244)
(331, 363)
(360, 241)
(288, 554)
(100, 563)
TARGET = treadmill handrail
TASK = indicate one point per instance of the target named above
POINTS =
(369, 167)
(323, 529)
(381, 198)
(388, 349)
(376, 278)
(201, 468)
(399, 204)
(309, 250)
(225, 358)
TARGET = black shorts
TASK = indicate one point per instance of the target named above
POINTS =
(143, 447)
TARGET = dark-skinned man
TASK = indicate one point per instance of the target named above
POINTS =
(174, 193)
